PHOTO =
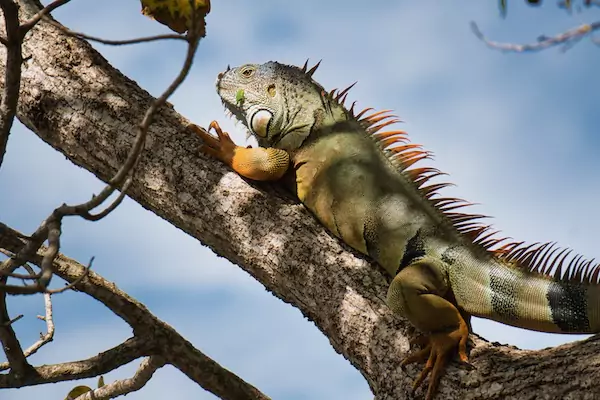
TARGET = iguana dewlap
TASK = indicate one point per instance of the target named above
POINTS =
(361, 183)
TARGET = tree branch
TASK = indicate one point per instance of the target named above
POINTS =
(567, 39)
(30, 23)
(10, 344)
(125, 386)
(131, 349)
(45, 337)
(81, 35)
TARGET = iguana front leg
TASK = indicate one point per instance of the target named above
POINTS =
(261, 164)
(417, 293)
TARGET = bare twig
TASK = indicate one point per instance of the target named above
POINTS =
(71, 285)
(110, 42)
(44, 338)
(112, 206)
(30, 23)
(37, 288)
(15, 319)
(566, 38)
(24, 277)
(125, 386)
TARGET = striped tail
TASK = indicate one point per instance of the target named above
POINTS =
(514, 293)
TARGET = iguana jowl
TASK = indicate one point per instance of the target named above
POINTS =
(361, 183)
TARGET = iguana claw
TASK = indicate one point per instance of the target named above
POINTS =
(220, 147)
(436, 354)
(255, 163)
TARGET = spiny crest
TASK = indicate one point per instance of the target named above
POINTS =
(546, 259)
(550, 260)
(403, 154)
(311, 71)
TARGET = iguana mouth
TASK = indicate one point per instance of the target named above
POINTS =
(234, 112)
(226, 91)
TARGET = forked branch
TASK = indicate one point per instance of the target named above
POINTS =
(152, 337)
(44, 337)
(125, 386)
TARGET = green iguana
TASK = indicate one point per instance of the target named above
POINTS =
(361, 183)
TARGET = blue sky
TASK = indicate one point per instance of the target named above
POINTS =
(517, 133)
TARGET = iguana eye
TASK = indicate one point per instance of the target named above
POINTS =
(259, 123)
(247, 71)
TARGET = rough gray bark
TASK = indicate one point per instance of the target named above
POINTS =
(76, 102)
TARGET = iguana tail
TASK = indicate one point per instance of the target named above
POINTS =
(527, 287)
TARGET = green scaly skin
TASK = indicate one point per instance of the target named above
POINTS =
(441, 264)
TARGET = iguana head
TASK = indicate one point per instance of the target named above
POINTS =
(279, 104)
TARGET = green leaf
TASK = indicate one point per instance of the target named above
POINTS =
(100, 381)
(239, 96)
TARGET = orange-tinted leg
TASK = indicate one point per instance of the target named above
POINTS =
(417, 294)
(254, 163)
(440, 347)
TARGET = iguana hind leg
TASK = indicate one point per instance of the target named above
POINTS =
(261, 164)
(441, 345)
(417, 293)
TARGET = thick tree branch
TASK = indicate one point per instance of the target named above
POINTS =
(275, 240)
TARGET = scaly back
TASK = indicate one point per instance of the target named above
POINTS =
(280, 105)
